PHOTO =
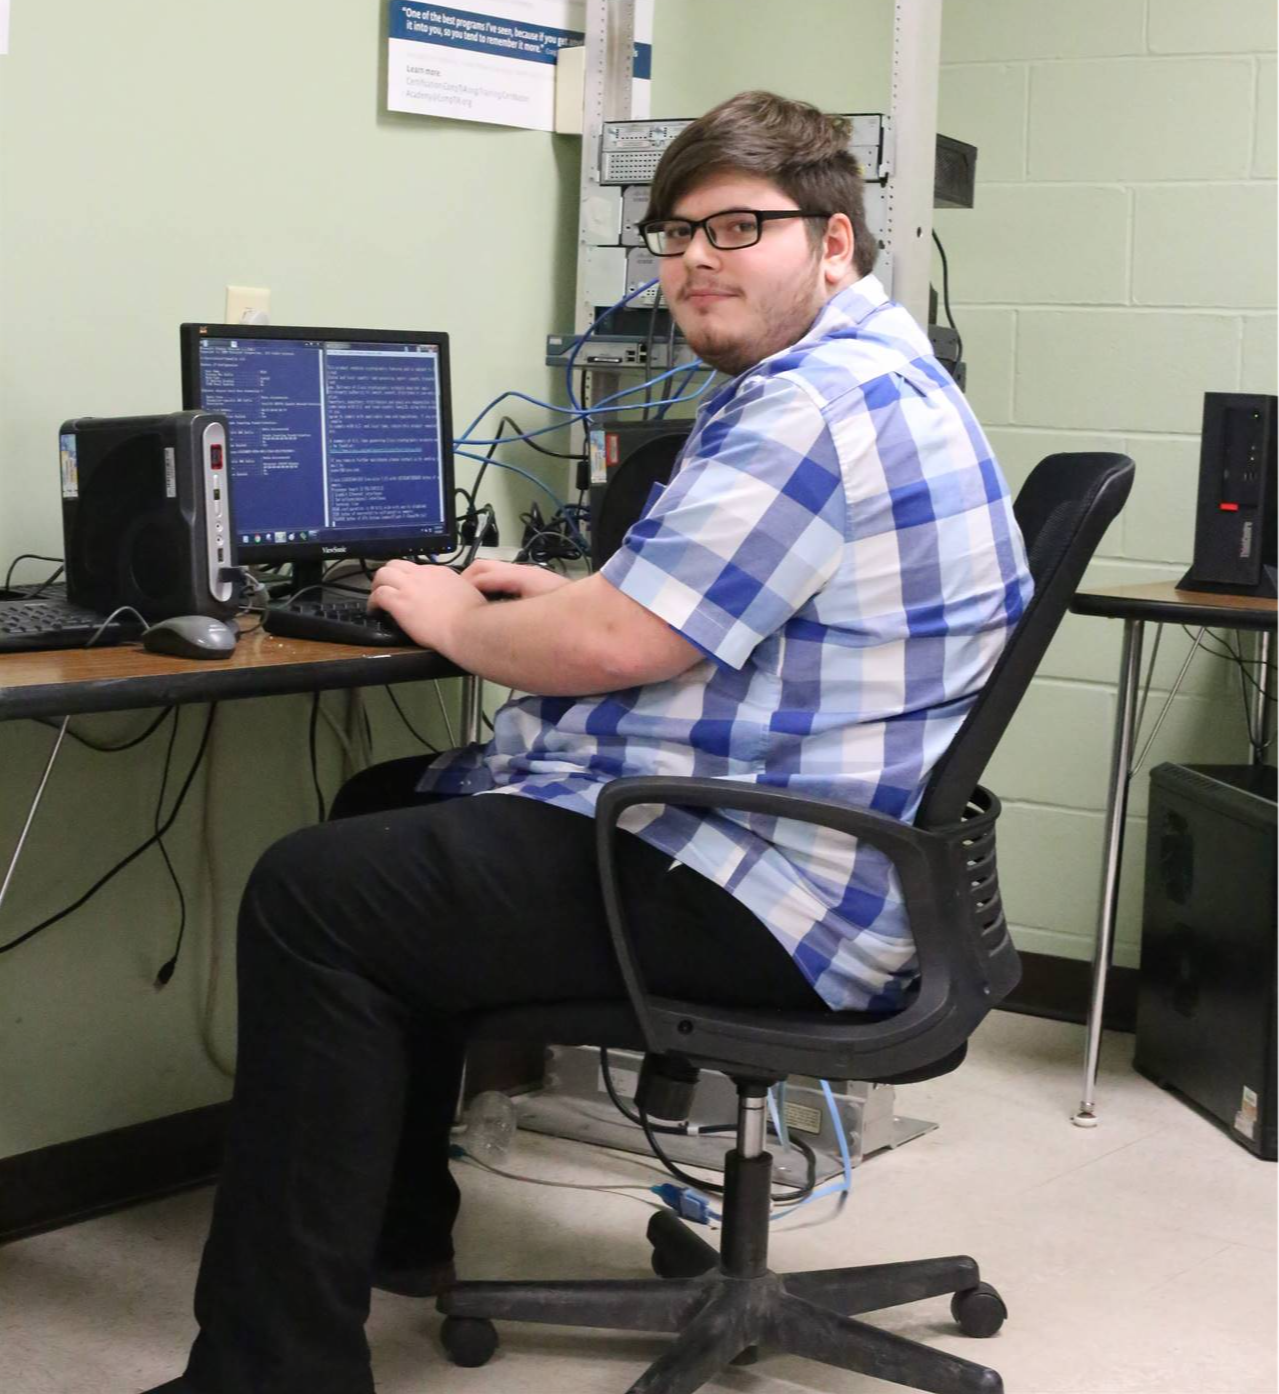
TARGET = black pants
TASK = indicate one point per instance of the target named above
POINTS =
(364, 944)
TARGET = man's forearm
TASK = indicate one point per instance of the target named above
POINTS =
(555, 645)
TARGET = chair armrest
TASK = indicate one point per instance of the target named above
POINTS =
(932, 866)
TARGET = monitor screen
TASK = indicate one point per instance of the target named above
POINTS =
(340, 440)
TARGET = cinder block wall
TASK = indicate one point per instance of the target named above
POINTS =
(1119, 262)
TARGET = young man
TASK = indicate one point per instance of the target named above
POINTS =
(813, 601)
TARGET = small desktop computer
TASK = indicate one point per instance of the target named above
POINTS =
(341, 440)
(1235, 515)
(145, 517)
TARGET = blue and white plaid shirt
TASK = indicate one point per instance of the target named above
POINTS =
(839, 542)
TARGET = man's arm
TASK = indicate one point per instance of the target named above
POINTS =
(581, 638)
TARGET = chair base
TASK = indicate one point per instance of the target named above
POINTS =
(719, 1318)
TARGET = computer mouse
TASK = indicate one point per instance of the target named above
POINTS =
(192, 636)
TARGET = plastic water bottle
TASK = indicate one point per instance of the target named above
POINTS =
(490, 1126)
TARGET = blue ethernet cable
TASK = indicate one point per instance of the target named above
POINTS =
(844, 1185)
(575, 408)
(577, 415)
(683, 387)
(582, 338)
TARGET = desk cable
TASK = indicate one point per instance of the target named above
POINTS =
(31, 813)
(1167, 706)
(691, 1199)
(155, 837)
(1258, 740)
(53, 756)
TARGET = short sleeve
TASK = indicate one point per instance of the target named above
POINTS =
(748, 531)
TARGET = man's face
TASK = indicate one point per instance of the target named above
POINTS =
(737, 307)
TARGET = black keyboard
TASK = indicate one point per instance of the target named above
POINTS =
(334, 621)
(57, 624)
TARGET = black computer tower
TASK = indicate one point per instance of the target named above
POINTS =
(1206, 994)
(1235, 512)
(146, 516)
(627, 459)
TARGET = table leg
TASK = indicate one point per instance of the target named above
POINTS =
(472, 706)
(1112, 855)
(1261, 699)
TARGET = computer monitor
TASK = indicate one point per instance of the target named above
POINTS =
(340, 440)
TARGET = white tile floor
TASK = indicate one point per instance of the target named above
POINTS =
(1138, 1256)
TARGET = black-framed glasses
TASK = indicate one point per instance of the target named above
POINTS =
(729, 231)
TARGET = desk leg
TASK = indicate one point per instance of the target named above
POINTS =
(472, 706)
(1261, 699)
(1112, 855)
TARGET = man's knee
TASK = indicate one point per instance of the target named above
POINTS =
(279, 887)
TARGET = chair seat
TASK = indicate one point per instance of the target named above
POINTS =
(614, 1026)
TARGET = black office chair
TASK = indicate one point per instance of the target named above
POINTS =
(723, 1305)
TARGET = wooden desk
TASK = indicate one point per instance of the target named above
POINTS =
(1159, 602)
(68, 682)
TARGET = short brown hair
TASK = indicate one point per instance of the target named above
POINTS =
(792, 144)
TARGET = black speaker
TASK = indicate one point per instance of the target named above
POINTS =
(1206, 997)
(1235, 518)
(146, 514)
(627, 459)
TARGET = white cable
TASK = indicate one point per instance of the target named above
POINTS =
(448, 725)
(31, 812)
(1163, 711)
(622, 1191)
(119, 610)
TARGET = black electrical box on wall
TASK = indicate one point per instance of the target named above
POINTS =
(1206, 995)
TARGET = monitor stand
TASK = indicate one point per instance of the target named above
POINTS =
(306, 574)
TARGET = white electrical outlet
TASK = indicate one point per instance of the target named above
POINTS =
(248, 305)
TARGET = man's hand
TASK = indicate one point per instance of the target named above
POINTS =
(428, 601)
(512, 578)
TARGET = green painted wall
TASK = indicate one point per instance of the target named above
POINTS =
(834, 53)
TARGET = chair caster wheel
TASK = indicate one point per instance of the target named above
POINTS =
(980, 1311)
(468, 1341)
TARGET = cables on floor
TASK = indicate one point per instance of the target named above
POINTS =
(652, 1130)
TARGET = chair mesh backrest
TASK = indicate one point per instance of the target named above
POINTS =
(1063, 510)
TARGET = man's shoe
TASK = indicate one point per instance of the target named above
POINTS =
(418, 1280)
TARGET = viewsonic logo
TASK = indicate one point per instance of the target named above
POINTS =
(334, 551)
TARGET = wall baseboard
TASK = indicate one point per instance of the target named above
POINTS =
(73, 1181)
(90, 1176)
(1059, 988)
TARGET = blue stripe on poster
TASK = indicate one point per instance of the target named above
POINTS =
(479, 33)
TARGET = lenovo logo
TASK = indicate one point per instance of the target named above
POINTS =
(1245, 540)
